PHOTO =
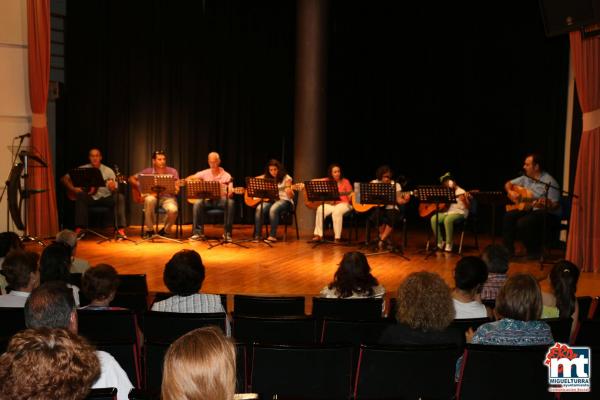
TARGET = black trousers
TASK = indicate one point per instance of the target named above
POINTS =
(84, 201)
(528, 226)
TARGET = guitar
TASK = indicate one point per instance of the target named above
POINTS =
(313, 205)
(428, 209)
(364, 207)
(235, 190)
(254, 201)
(525, 202)
(137, 196)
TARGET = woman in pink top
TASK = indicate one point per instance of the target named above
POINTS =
(338, 209)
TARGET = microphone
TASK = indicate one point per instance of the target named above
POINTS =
(23, 136)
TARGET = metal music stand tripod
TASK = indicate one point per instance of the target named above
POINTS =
(322, 191)
(156, 185)
(494, 200)
(437, 195)
(87, 178)
(263, 189)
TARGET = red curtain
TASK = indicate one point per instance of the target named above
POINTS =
(583, 246)
(43, 220)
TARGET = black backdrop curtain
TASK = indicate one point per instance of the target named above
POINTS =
(466, 87)
(187, 77)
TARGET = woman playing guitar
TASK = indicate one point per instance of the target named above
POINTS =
(336, 209)
(456, 212)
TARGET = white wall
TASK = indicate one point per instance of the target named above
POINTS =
(15, 111)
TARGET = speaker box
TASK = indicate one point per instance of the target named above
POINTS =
(561, 16)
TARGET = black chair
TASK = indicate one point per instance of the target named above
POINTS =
(585, 305)
(350, 220)
(137, 394)
(287, 218)
(117, 333)
(315, 372)
(160, 296)
(561, 329)
(241, 368)
(348, 309)
(406, 372)
(588, 333)
(102, 394)
(13, 321)
(163, 328)
(463, 325)
(275, 330)
(336, 331)
(267, 306)
(503, 372)
(469, 223)
(403, 223)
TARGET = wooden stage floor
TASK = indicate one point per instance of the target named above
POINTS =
(288, 268)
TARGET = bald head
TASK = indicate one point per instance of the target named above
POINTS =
(214, 160)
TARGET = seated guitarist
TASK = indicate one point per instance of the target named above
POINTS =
(104, 196)
(392, 214)
(456, 212)
(526, 221)
(338, 209)
(215, 173)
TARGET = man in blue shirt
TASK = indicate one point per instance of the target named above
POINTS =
(527, 221)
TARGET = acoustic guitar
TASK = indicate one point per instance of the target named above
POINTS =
(235, 190)
(525, 200)
(364, 207)
(426, 210)
(313, 205)
(137, 196)
(119, 179)
(254, 201)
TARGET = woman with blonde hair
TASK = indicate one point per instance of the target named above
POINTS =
(200, 365)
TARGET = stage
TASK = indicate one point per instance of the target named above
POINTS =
(288, 268)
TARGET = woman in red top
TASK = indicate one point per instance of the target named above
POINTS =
(338, 208)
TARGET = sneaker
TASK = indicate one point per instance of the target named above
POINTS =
(380, 244)
(256, 239)
(316, 239)
(441, 245)
(272, 239)
(121, 235)
(198, 237)
(227, 237)
(147, 234)
(448, 248)
(163, 232)
(80, 233)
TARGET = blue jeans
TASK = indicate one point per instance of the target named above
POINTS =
(273, 210)
(199, 213)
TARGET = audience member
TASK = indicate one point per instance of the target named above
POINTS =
(496, 257)
(183, 275)
(99, 284)
(55, 265)
(353, 279)
(67, 236)
(48, 364)
(52, 306)
(200, 365)
(469, 275)
(424, 313)
(561, 302)
(22, 274)
(8, 241)
(518, 310)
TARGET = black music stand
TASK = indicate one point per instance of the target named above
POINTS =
(157, 184)
(381, 195)
(494, 200)
(87, 178)
(119, 180)
(437, 195)
(263, 189)
(322, 191)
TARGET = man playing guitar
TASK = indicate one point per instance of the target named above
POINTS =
(103, 196)
(167, 201)
(527, 215)
(214, 174)
(338, 209)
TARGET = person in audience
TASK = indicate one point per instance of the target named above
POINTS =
(518, 310)
(199, 365)
(48, 364)
(496, 257)
(55, 265)
(469, 275)
(99, 284)
(424, 313)
(22, 274)
(67, 236)
(353, 279)
(52, 306)
(561, 301)
(183, 275)
(8, 241)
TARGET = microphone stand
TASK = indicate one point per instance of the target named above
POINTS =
(6, 182)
